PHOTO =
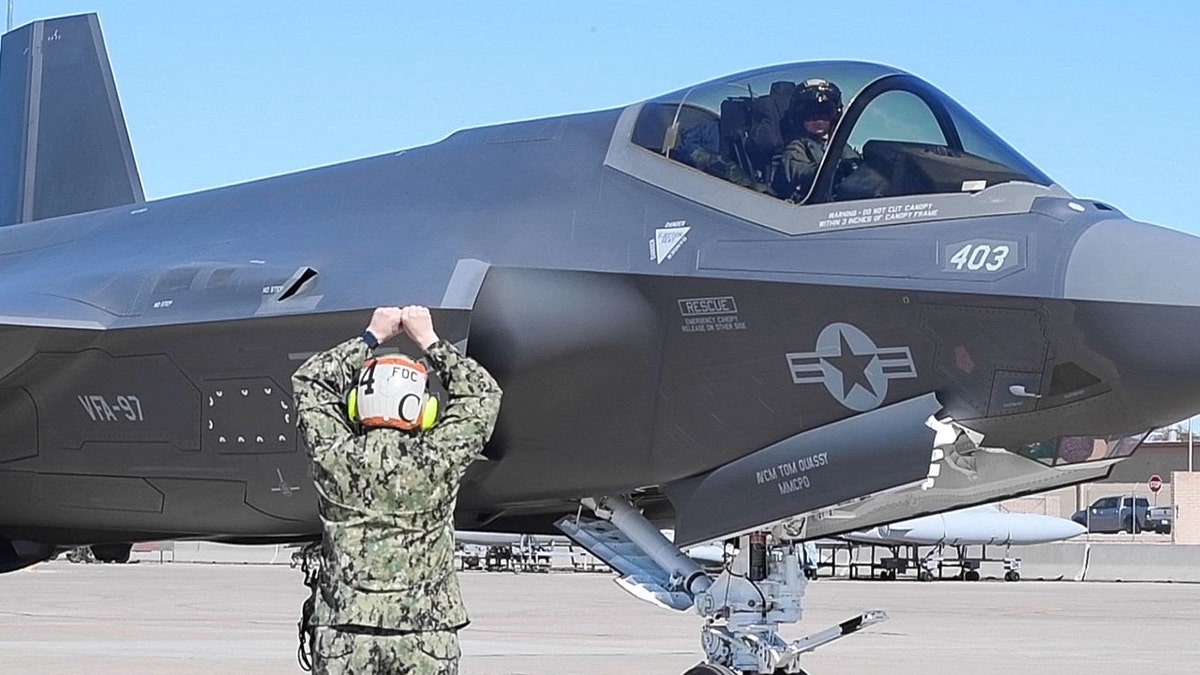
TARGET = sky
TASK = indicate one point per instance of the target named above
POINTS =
(1102, 96)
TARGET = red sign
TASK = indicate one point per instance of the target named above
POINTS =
(1155, 483)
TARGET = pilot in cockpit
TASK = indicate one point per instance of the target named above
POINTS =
(815, 108)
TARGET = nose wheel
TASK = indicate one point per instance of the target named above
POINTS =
(709, 669)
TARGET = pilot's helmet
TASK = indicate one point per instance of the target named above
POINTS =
(397, 392)
(816, 97)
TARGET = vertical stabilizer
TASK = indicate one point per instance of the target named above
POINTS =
(64, 147)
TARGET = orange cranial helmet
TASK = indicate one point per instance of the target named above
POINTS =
(397, 392)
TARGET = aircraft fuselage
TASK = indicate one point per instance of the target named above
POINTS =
(648, 321)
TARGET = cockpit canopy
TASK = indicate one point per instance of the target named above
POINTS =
(894, 135)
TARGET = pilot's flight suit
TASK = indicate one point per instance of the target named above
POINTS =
(801, 159)
(389, 600)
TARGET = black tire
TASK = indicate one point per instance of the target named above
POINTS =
(1131, 525)
(971, 575)
(708, 669)
(112, 553)
(924, 575)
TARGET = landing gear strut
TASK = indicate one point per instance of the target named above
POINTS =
(743, 606)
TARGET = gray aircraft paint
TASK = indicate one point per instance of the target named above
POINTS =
(531, 241)
(101, 171)
(875, 452)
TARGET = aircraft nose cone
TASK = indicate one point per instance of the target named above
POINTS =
(1058, 529)
(1127, 261)
(1031, 528)
(1071, 528)
(1136, 293)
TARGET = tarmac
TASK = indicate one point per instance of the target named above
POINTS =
(203, 618)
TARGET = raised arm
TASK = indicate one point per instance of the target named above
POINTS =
(319, 386)
(474, 403)
(474, 397)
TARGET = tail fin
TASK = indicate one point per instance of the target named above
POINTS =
(64, 147)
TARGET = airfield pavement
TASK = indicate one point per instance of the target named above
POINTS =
(204, 618)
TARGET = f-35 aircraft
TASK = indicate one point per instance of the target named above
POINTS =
(928, 322)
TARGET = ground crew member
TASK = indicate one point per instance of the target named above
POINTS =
(389, 447)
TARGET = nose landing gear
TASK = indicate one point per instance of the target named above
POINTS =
(743, 606)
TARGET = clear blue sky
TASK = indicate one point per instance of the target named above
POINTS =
(1101, 95)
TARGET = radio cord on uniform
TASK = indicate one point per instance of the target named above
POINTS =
(309, 561)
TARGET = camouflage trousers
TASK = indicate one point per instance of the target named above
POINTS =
(420, 653)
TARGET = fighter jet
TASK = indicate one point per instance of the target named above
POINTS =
(685, 337)
(983, 526)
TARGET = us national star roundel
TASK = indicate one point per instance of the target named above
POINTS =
(853, 369)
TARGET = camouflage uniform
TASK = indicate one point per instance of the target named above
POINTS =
(421, 653)
(389, 597)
